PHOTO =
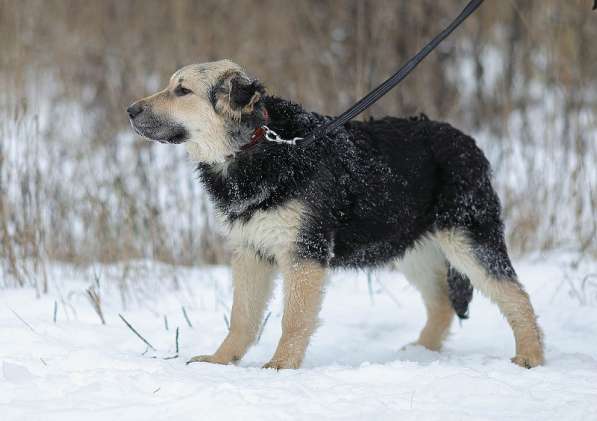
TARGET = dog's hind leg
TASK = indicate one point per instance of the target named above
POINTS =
(426, 268)
(253, 282)
(484, 260)
(303, 294)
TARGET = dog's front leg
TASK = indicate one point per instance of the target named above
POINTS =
(253, 280)
(303, 294)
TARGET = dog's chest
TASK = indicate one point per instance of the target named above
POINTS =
(270, 232)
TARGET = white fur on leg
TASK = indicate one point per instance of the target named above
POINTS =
(425, 267)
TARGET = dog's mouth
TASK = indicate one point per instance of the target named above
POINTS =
(160, 132)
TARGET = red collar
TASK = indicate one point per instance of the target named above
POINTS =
(258, 134)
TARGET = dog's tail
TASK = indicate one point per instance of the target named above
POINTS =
(460, 292)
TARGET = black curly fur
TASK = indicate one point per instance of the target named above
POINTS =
(371, 189)
(460, 292)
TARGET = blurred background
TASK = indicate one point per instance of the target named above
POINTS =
(77, 186)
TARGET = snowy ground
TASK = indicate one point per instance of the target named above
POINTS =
(76, 368)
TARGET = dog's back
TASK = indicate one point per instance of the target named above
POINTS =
(419, 176)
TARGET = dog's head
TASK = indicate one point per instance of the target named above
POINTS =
(213, 107)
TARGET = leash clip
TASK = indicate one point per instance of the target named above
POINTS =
(272, 136)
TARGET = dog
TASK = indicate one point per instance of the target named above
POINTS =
(412, 191)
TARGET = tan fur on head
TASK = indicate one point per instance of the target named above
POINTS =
(203, 113)
(251, 105)
(224, 101)
(225, 104)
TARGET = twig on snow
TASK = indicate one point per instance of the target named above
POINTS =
(261, 329)
(96, 303)
(136, 333)
(186, 316)
(22, 320)
(176, 343)
(55, 310)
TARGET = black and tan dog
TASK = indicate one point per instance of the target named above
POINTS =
(409, 190)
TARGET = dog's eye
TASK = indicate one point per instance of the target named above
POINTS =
(180, 91)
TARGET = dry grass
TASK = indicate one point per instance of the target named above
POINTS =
(75, 185)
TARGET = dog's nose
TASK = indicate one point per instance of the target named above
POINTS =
(134, 110)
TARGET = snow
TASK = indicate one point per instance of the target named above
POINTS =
(356, 367)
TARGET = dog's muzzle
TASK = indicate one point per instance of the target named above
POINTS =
(152, 127)
(134, 110)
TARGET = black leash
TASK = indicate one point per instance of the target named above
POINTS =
(392, 81)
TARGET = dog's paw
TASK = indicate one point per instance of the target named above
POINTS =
(409, 346)
(214, 359)
(419, 343)
(528, 361)
(282, 364)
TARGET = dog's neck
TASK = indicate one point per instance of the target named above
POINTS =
(289, 120)
(219, 144)
(270, 113)
(264, 175)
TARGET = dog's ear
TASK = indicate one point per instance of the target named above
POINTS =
(236, 94)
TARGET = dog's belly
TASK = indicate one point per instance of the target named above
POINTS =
(271, 233)
(369, 254)
(366, 242)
